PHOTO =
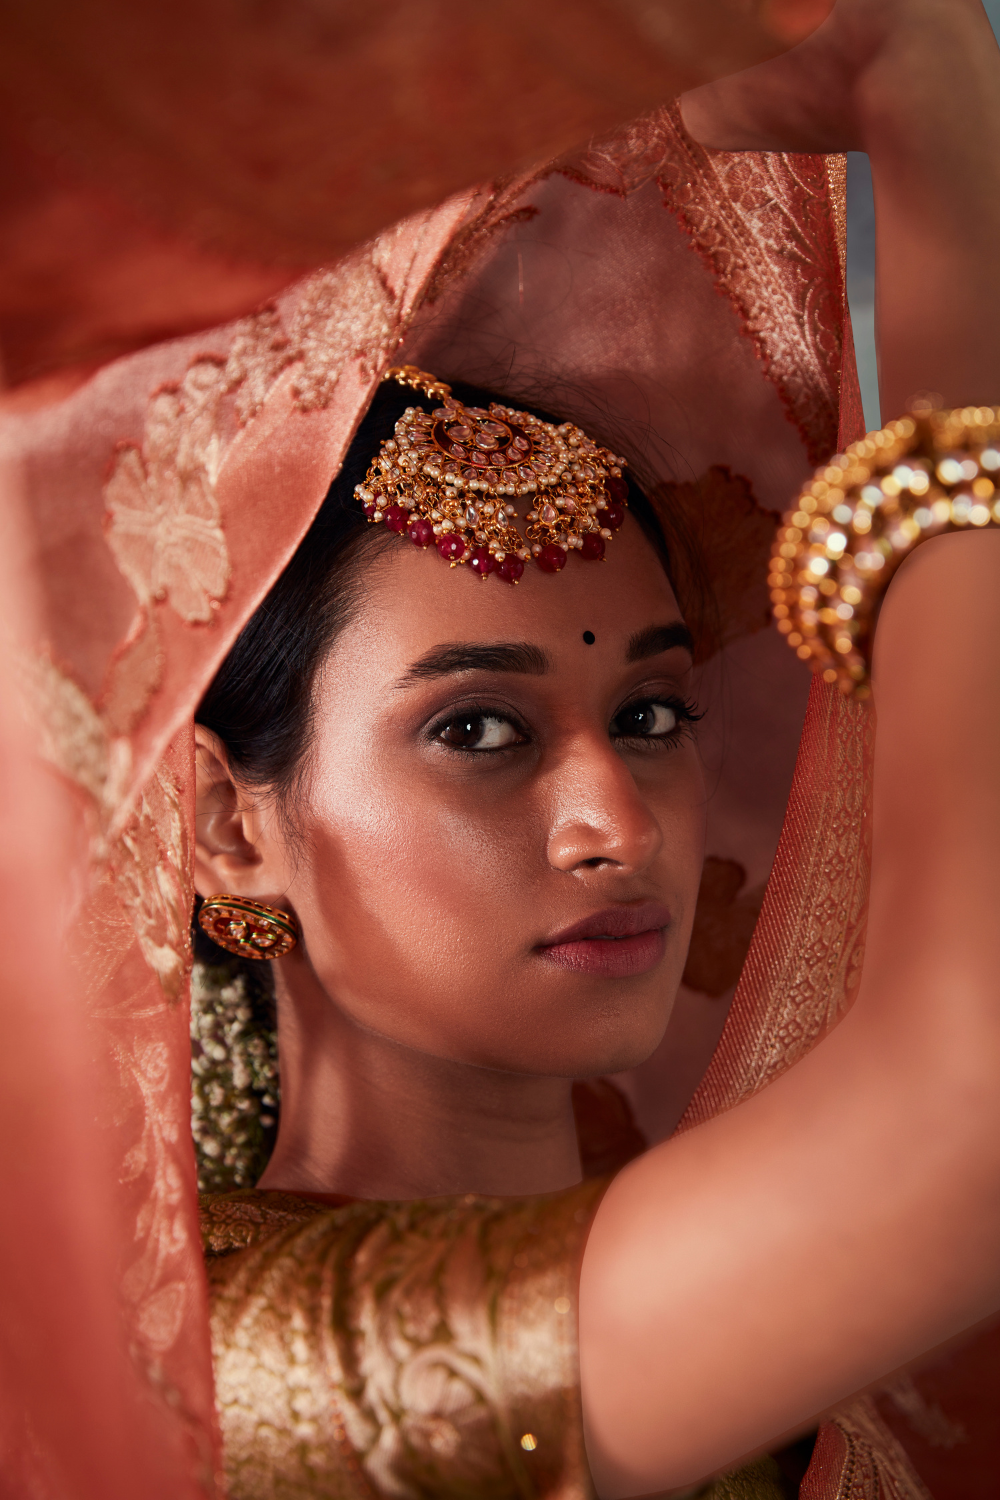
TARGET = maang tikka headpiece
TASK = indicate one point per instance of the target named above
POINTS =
(452, 476)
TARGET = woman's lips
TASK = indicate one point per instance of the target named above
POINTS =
(615, 943)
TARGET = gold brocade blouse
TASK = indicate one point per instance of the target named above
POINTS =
(419, 1349)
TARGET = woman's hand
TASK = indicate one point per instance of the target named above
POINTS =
(916, 84)
(869, 60)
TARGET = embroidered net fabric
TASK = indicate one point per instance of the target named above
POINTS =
(149, 511)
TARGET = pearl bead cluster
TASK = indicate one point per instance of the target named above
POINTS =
(928, 473)
(235, 1085)
(450, 477)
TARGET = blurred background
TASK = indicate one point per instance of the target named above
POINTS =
(861, 263)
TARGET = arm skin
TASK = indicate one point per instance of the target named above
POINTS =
(916, 84)
(762, 1269)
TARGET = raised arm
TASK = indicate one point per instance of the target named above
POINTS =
(747, 1277)
(915, 84)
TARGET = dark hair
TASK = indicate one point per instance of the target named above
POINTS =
(259, 702)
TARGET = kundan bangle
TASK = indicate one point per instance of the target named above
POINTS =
(863, 513)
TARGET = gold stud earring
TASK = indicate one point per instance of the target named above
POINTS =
(248, 928)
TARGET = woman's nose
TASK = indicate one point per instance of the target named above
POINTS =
(599, 819)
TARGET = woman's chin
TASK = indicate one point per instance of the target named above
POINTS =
(611, 1044)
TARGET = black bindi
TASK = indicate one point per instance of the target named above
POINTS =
(589, 637)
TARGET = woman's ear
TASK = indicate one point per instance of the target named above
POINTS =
(226, 858)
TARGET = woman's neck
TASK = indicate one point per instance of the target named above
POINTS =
(366, 1117)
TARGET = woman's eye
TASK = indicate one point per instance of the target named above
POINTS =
(645, 721)
(472, 731)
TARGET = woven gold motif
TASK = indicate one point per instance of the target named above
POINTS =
(163, 516)
(150, 866)
(402, 1350)
(805, 959)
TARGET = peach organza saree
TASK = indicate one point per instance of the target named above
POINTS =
(689, 302)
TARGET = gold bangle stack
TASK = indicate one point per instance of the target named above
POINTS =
(853, 524)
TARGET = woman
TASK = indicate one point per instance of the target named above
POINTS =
(766, 1216)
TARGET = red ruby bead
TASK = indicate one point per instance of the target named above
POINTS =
(592, 547)
(396, 518)
(510, 569)
(421, 533)
(451, 547)
(611, 516)
(617, 489)
(369, 509)
(482, 561)
(551, 559)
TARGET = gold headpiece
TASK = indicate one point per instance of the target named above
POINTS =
(451, 477)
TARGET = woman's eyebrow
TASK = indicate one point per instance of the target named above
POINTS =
(460, 656)
(657, 638)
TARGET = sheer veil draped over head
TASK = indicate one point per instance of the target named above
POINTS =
(685, 305)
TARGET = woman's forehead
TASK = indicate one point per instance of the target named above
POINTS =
(413, 602)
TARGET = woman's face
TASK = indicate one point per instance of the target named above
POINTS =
(502, 814)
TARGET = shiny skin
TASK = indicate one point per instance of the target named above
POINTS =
(427, 878)
(434, 874)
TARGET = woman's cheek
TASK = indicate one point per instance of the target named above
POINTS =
(404, 884)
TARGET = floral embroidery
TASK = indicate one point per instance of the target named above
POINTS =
(155, 1283)
(260, 350)
(73, 737)
(149, 862)
(163, 516)
(346, 313)
(134, 673)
